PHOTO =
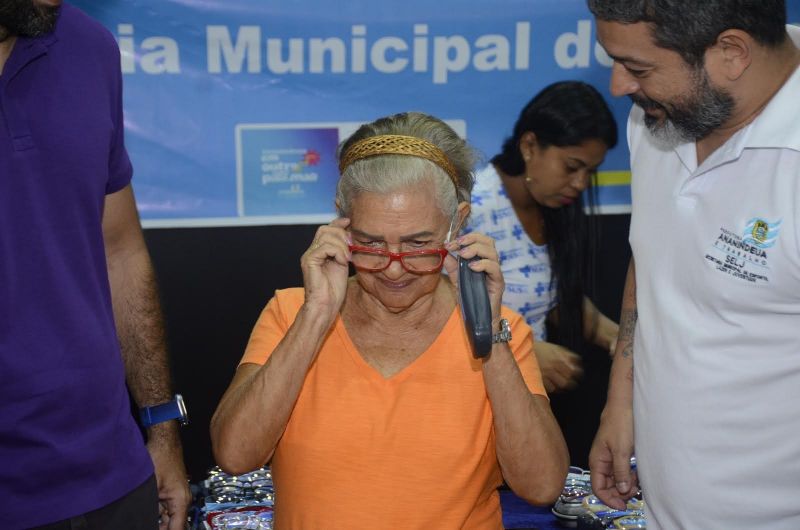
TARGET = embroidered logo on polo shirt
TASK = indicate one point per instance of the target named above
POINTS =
(761, 233)
(745, 256)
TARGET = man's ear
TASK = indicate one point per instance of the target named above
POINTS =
(731, 55)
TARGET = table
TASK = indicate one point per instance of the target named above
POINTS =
(519, 515)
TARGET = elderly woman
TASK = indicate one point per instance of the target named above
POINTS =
(362, 390)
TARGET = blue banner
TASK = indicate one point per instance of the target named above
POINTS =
(234, 108)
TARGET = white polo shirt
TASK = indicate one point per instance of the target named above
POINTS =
(717, 345)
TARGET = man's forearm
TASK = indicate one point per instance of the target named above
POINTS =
(620, 386)
(140, 327)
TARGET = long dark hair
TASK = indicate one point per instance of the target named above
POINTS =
(565, 114)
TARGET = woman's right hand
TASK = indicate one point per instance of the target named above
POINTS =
(561, 368)
(325, 269)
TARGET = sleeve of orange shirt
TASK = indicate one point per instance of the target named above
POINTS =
(272, 325)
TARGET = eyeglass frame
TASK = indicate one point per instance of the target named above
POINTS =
(398, 256)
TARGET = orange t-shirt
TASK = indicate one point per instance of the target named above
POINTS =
(414, 451)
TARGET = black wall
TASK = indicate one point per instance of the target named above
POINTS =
(578, 411)
(215, 281)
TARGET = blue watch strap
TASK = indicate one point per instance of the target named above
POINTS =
(171, 410)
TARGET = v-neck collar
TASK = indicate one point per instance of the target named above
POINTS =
(407, 371)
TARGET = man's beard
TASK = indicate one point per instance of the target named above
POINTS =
(692, 117)
(23, 18)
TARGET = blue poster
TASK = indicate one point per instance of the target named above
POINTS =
(286, 170)
(287, 173)
(234, 109)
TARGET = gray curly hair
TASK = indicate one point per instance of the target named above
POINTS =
(386, 173)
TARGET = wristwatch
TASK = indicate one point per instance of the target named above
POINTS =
(504, 335)
(171, 410)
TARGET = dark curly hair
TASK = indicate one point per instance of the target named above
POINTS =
(690, 27)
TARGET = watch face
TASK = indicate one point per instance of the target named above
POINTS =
(505, 331)
(184, 417)
(504, 335)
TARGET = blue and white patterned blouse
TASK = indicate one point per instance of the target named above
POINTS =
(525, 265)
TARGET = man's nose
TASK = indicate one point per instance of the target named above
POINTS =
(622, 82)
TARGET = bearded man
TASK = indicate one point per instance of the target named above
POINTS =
(79, 312)
(711, 308)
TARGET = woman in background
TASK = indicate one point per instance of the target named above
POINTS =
(529, 199)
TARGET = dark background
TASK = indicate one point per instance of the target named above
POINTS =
(215, 281)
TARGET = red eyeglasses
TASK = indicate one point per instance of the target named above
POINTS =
(416, 261)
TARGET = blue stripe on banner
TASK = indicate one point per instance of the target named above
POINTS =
(608, 195)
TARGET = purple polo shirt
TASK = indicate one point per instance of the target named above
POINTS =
(68, 442)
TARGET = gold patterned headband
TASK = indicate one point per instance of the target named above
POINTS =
(396, 144)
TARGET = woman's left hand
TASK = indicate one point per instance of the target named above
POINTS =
(474, 244)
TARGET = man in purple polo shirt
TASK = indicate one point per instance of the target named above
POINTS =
(75, 283)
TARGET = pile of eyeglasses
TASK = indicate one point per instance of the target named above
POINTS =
(598, 516)
(578, 507)
(242, 502)
(577, 486)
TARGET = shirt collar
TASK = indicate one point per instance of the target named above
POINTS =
(777, 125)
(28, 49)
